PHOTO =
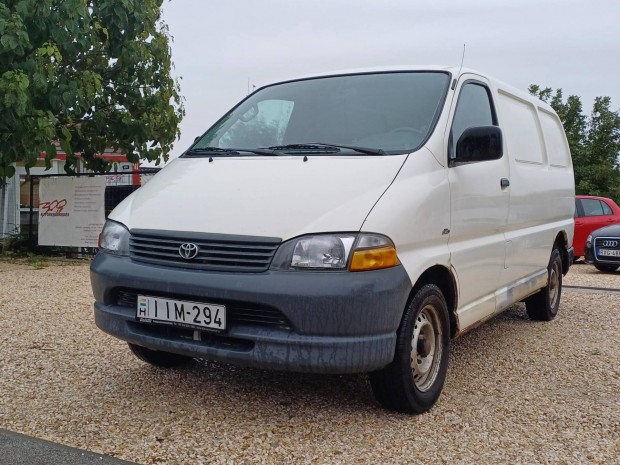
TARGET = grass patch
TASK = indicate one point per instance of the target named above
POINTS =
(37, 261)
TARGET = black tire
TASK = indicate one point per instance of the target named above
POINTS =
(606, 268)
(158, 358)
(543, 306)
(426, 319)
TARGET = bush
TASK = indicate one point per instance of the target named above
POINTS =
(16, 244)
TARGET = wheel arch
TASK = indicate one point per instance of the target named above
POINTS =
(443, 278)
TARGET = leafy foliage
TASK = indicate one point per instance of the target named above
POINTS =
(594, 142)
(88, 74)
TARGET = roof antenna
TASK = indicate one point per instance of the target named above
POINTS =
(459, 74)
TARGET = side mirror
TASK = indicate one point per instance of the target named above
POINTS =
(480, 143)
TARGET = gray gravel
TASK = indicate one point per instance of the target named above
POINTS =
(518, 391)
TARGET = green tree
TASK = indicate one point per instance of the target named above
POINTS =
(594, 142)
(88, 74)
(602, 149)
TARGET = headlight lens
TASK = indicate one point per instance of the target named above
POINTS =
(334, 252)
(589, 239)
(321, 251)
(114, 238)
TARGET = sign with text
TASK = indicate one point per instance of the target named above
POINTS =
(71, 211)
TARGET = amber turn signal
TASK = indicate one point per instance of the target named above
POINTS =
(374, 259)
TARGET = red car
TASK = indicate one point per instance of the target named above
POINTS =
(592, 213)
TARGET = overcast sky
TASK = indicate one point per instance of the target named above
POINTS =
(219, 45)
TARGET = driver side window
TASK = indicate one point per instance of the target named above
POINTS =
(474, 108)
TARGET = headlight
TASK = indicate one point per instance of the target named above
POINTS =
(589, 239)
(321, 251)
(114, 238)
(357, 252)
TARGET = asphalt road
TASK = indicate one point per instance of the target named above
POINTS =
(18, 449)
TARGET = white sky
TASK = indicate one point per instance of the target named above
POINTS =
(219, 44)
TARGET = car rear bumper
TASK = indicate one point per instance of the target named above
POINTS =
(326, 322)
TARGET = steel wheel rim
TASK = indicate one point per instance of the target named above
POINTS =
(554, 284)
(426, 348)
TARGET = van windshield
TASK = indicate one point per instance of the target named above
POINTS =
(376, 113)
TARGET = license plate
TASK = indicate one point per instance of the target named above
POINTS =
(181, 313)
(608, 253)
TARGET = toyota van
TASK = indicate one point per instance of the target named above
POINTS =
(353, 222)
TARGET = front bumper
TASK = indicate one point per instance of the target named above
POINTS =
(592, 259)
(589, 254)
(335, 322)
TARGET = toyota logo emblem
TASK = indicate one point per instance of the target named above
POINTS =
(188, 250)
(610, 243)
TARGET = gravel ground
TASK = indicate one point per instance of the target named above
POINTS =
(582, 274)
(518, 392)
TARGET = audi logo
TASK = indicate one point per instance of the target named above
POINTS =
(608, 243)
(188, 250)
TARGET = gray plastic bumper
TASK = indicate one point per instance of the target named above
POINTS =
(340, 322)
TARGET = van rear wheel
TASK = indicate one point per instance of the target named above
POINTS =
(158, 358)
(543, 306)
(413, 381)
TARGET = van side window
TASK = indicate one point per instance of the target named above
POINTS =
(474, 108)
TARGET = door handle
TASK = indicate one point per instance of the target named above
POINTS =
(504, 182)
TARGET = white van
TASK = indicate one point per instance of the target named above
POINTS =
(345, 223)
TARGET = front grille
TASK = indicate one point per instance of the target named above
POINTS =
(215, 252)
(607, 243)
(236, 312)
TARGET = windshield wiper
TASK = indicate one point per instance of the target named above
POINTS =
(321, 147)
(314, 147)
(306, 148)
(204, 151)
(365, 150)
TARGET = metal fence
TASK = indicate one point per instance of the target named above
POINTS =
(118, 186)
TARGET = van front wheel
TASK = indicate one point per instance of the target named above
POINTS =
(543, 306)
(413, 381)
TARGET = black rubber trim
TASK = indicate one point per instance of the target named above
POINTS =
(189, 235)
